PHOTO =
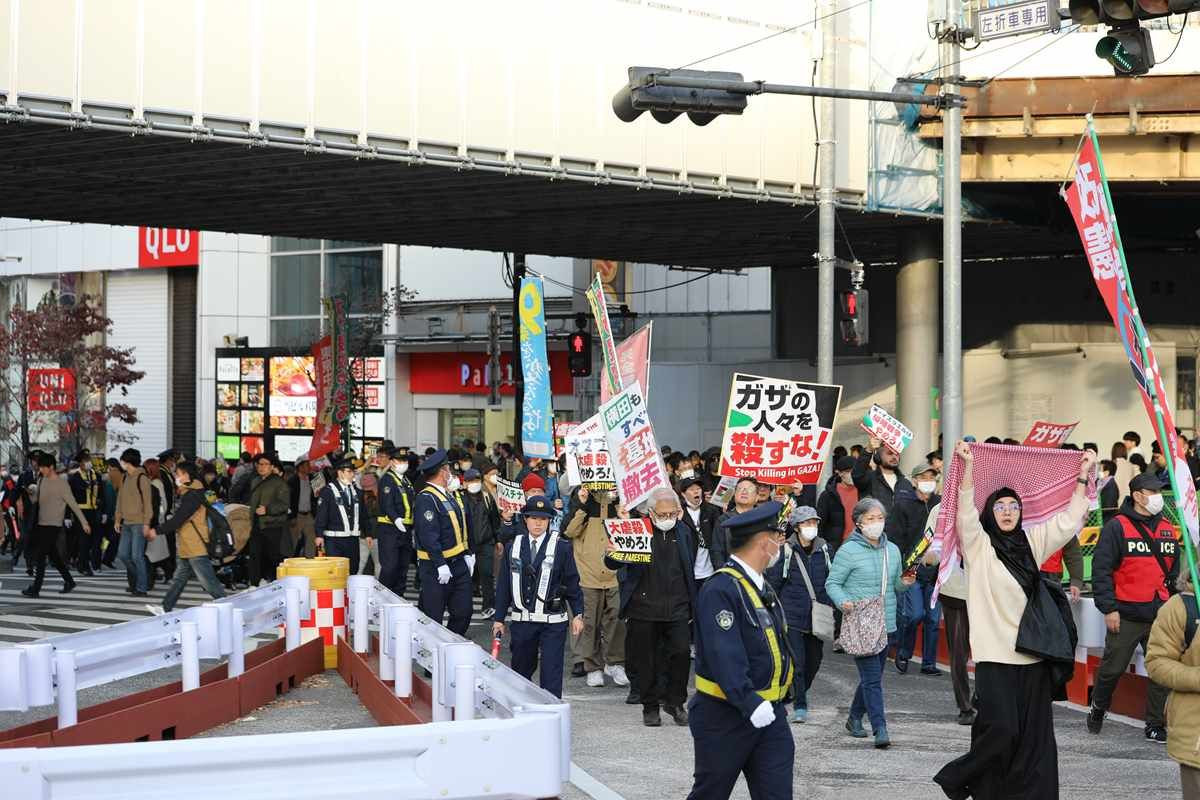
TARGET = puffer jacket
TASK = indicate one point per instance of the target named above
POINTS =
(587, 534)
(857, 572)
(1179, 671)
(791, 588)
(189, 521)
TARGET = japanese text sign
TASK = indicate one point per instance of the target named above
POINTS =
(561, 430)
(1016, 18)
(327, 435)
(537, 415)
(778, 431)
(637, 462)
(633, 362)
(631, 538)
(1047, 434)
(588, 462)
(611, 377)
(51, 389)
(886, 428)
(509, 496)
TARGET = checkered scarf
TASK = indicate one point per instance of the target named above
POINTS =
(1044, 479)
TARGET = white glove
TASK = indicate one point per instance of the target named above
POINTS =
(103, 518)
(400, 526)
(470, 559)
(444, 574)
(764, 715)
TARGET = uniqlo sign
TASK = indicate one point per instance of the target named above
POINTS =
(51, 389)
(168, 247)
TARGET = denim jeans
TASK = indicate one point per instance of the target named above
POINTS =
(201, 567)
(132, 552)
(868, 697)
(914, 610)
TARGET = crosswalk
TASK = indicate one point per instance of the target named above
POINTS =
(95, 603)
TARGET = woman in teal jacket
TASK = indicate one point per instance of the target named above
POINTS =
(856, 575)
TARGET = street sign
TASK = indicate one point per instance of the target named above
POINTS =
(1000, 20)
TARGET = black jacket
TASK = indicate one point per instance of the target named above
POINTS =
(833, 515)
(906, 526)
(485, 519)
(294, 496)
(630, 576)
(703, 536)
(1110, 497)
(871, 483)
(1106, 560)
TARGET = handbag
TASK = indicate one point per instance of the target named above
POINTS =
(822, 613)
(157, 549)
(864, 630)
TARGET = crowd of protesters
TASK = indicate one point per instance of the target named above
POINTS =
(863, 535)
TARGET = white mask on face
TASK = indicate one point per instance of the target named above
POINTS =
(474, 487)
(664, 524)
(873, 531)
(808, 533)
(402, 468)
(452, 484)
(1154, 504)
(926, 487)
(774, 559)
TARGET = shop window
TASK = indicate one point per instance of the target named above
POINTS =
(357, 274)
(1185, 383)
(296, 286)
(287, 244)
(295, 334)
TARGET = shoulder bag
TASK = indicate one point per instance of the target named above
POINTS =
(864, 629)
(822, 613)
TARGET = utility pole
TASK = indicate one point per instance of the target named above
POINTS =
(518, 273)
(952, 392)
(826, 221)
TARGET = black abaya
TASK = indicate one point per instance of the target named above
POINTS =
(1013, 751)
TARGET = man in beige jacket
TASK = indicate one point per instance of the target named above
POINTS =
(53, 497)
(134, 510)
(1173, 661)
(601, 646)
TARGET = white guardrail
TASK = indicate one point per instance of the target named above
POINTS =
(500, 718)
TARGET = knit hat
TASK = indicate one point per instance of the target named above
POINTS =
(533, 481)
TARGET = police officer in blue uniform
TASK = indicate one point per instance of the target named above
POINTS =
(395, 521)
(743, 669)
(444, 561)
(537, 590)
(339, 519)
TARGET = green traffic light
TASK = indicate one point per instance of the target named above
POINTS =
(1111, 50)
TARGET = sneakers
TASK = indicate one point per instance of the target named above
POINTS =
(677, 713)
(155, 610)
(67, 587)
(617, 673)
(966, 718)
(855, 728)
(577, 670)
(634, 698)
(799, 715)
(595, 678)
(650, 718)
(882, 741)
(487, 613)
(1095, 719)
(1156, 733)
(901, 665)
(930, 671)
(29, 592)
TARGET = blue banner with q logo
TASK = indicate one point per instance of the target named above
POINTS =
(537, 414)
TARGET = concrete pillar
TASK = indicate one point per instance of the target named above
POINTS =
(918, 286)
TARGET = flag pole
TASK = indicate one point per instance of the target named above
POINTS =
(1151, 389)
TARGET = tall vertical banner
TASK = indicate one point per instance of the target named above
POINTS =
(327, 434)
(1091, 206)
(633, 362)
(537, 415)
(610, 381)
(635, 455)
(339, 321)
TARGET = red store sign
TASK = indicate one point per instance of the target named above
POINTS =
(168, 247)
(51, 389)
(467, 373)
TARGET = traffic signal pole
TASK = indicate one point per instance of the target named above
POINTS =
(518, 273)
(952, 392)
(826, 210)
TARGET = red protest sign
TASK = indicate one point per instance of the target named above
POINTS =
(51, 389)
(1048, 434)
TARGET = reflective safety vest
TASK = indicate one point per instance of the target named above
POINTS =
(520, 613)
(1139, 578)
(402, 488)
(779, 685)
(458, 521)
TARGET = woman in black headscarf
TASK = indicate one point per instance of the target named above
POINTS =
(1022, 639)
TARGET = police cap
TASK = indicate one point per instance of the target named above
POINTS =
(538, 506)
(433, 462)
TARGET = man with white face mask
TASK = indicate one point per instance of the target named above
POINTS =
(444, 561)
(743, 669)
(395, 521)
(1135, 561)
(906, 528)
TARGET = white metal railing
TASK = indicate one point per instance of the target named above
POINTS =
(499, 717)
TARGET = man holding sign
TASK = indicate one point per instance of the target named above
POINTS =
(877, 473)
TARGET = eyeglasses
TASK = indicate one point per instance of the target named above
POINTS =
(1009, 508)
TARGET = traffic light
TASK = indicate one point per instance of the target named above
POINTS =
(1128, 48)
(854, 316)
(1127, 45)
(665, 103)
(579, 354)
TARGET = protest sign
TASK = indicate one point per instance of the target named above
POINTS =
(588, 462)
(636, 459)
(509, 496)
(611, 377)
(886, 428)
(561, 429)
(723, 492)
(1047, 434)
(778, 431)
(633, 362)
(537, 415)
(631, 537)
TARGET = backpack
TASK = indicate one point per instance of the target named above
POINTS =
(220, 534)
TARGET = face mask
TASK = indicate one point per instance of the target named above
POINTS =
(808, 533)
(403, 468)
(474, 487)
(873, 531)
(774, 559)
(1154, 504)
(664, 524)
(452, 484)
(926, 487)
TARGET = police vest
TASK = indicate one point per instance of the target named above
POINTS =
(458, 522)
(91, 491)
(777, 689)
(1140, 579)
(539, 611)
(398, 484)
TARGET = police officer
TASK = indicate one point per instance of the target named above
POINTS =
(394, 530)
(444, 562)
(87, 489)
(340, 516)
(743, 669)
(537, 589)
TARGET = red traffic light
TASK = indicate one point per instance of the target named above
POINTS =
(577, 343)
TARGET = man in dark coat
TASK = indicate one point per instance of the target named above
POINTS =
(877, 474)
(906, 529)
